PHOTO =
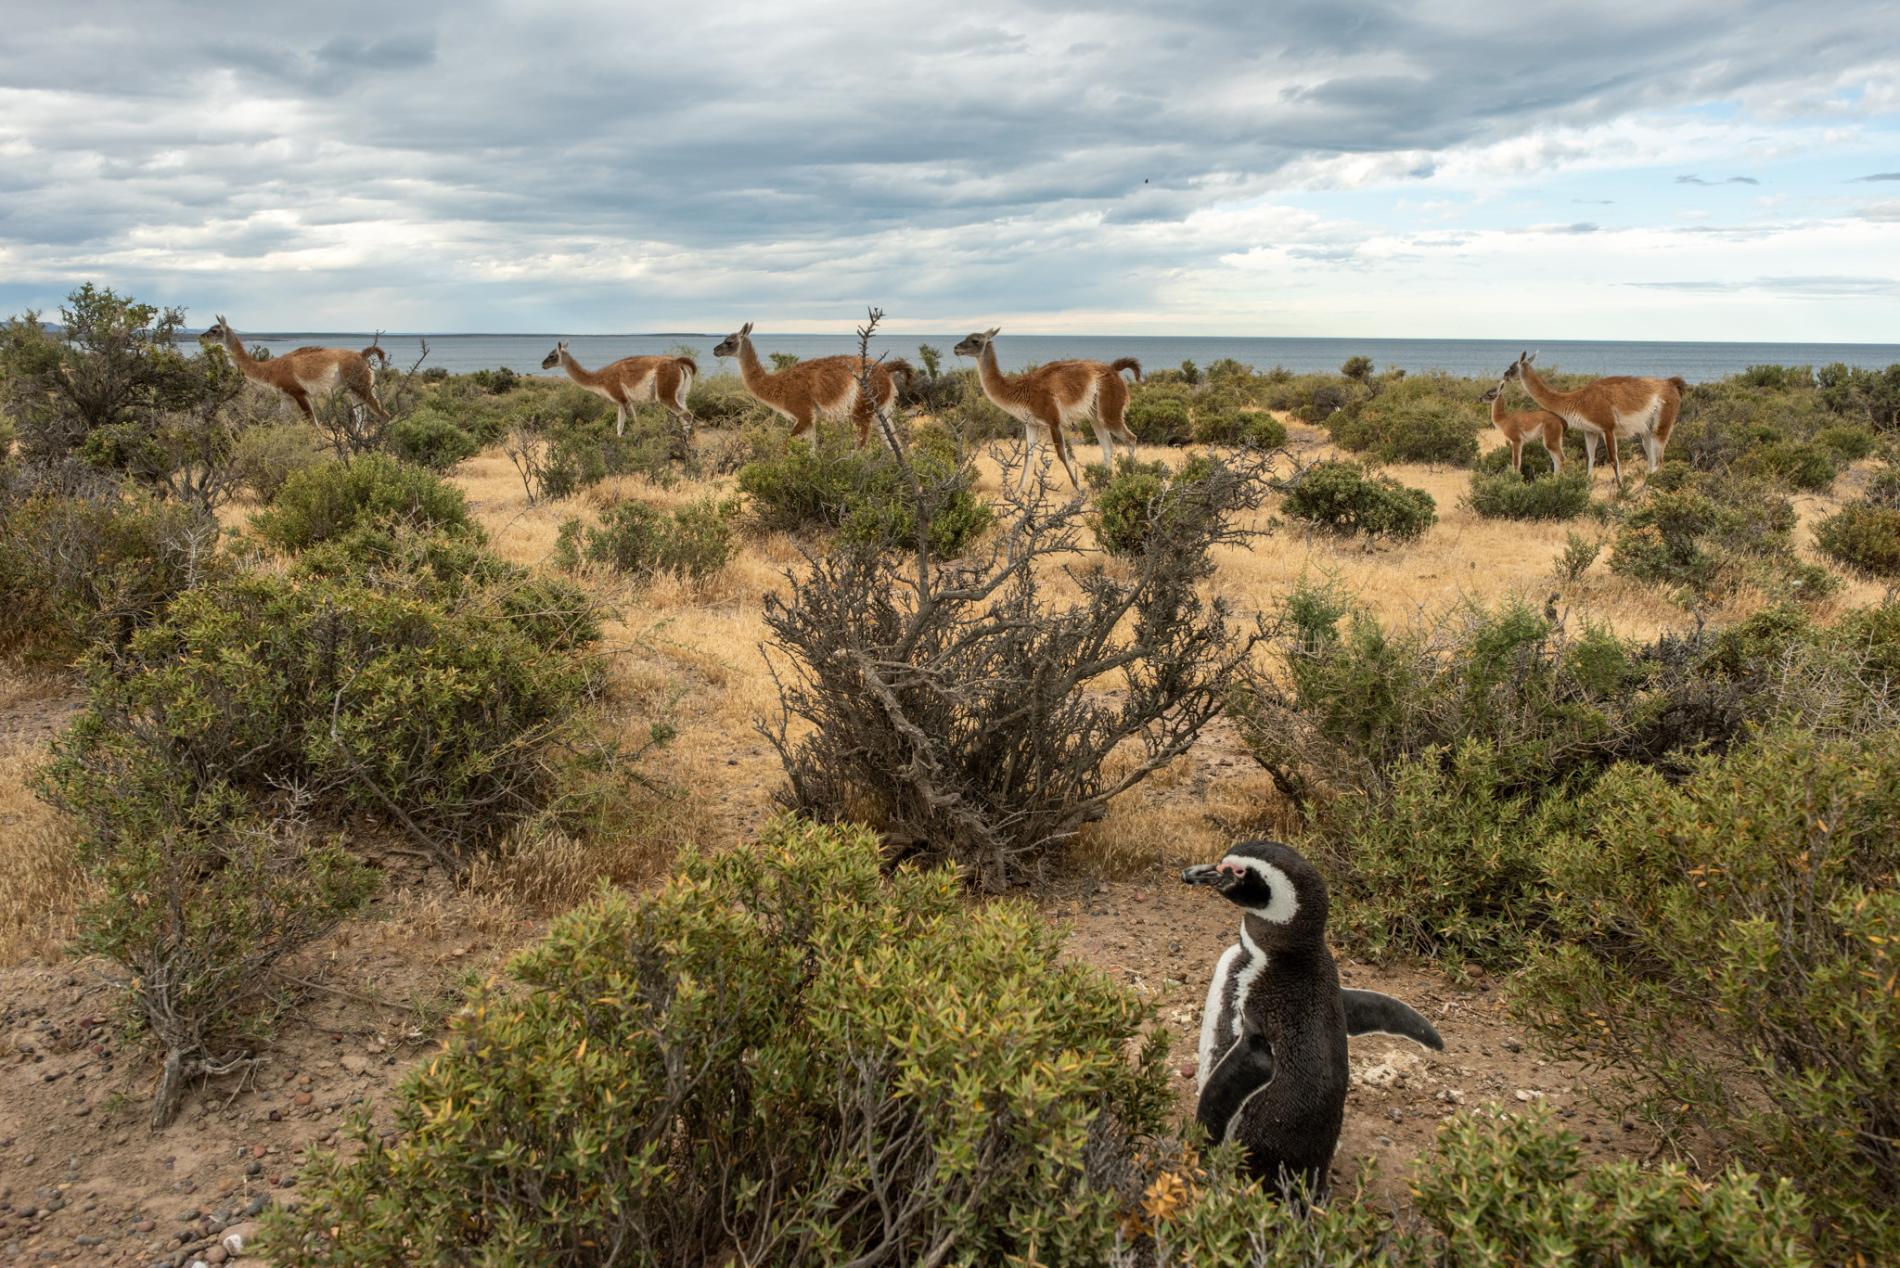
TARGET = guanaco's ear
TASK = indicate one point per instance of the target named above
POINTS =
(993, 331)
(746, 329)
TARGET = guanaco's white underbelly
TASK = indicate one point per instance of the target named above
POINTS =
(319, 383)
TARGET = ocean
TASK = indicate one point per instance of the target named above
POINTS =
(1477, 358)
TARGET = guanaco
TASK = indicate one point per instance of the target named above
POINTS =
(1045, 398)
(823, 387)
(304, 372)
(634, 381)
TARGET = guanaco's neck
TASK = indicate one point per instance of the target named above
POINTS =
(235, 346)
(751, 373)
(989, 374)
(1540, 391)
(574, 370)
(1497, 407)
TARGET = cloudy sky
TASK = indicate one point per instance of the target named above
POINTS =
(1721, 169)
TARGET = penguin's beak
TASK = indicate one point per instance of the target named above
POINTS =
(1201, 874)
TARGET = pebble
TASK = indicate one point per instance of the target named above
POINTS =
(302, 1098)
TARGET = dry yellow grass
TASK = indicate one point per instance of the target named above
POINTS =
(691, 654)
(41, 884)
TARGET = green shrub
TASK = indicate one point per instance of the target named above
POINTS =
(1359, 368)
(1444, 865)
(1517, 1192)
(1727, 951)
(864, 495)
(81, 568)
(195, 919)
(429, 439)
(263, 458)
(1777, 377)
(1554, 707)
(1799, 464)
(448, 719)
(330, 499)
(1341, 497)
(1314, 398)
(1407, 428)
(1159, 416)
(1863, 536)
(1873, 396)
(1511, 497)
(1848, 444)
(642, 541)
(780, 1050)
(1234, 427)
(1578, 554)
(1706, 533)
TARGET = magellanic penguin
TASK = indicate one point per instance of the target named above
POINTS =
(1273, 1069)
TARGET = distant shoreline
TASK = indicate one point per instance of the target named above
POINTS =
(1475, 358)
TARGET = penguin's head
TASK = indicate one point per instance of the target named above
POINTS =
(1283, 895)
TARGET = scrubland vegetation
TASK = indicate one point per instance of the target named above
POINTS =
(760, 725)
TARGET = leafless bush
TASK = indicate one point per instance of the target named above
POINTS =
(966, 709)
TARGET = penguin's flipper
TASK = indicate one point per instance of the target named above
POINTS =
(1370, 1013)
(1245, 1069)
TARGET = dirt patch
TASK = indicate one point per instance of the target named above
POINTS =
(1162, 938)
(83, 1178)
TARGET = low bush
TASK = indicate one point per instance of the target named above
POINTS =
(567, 442)
(328, 500)
(1510, 496)
(1404, 426)
(1314, 398)
(1445, 865)
(85, 567)
(264, 458)
(447, 719)
(195, 912)
(1342, 497)
(1727, 952)
(1799, 464)
(721, 400)
(1847, 443)
(1869, 396)
(1864, 536)
(865, 496)
(1707, 533)
(1259, 429)
(780, 1053)
(642, 541)
(785, 1057)
(1159, 416)
(1128, 502)
(429, 439)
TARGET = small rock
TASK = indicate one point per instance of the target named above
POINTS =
(1187, 1069)
(302, 1099)
(1512, 1045)
(217, 1255)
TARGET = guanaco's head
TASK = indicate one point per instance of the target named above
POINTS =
(554, 358)
(973, 345)
(1498, 389)
(220, 332)
(1515, 370)
(729, 346)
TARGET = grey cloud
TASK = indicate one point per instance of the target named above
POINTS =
(768, 144)
(1880, 176)
(1730, 180)
(1826, 286)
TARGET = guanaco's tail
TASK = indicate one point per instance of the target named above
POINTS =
(897, 365)
(689, 365)
(1127, 363)
(375, 350)
(1681, 384)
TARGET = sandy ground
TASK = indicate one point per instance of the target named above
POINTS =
(84, 1180)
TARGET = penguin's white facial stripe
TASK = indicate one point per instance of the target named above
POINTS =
(1284, 904)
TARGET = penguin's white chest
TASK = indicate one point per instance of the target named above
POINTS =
(1234, 976)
